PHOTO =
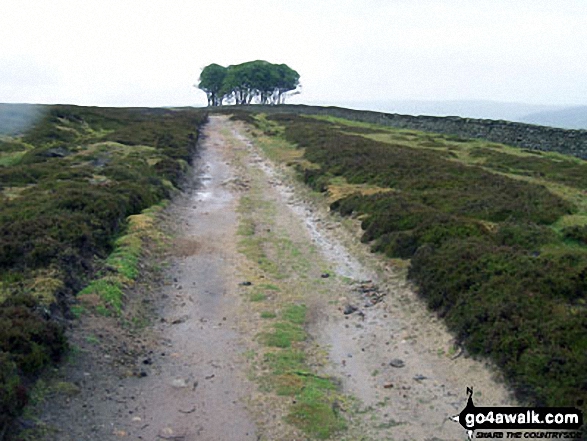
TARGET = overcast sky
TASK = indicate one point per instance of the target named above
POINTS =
(150, 52)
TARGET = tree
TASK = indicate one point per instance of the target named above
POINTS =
(212, 81)
(259, 81)
(288, 80)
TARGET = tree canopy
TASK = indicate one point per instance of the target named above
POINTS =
(254, 81)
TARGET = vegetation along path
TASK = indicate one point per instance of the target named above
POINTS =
(275, 324)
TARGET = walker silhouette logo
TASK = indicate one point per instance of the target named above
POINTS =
(511, 418)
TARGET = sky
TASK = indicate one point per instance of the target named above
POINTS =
(150, 52)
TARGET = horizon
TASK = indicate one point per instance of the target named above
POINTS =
(568, 118)
(297, 100)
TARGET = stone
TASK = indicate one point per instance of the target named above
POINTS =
(397, 363)
(179, 383)
(349, 309)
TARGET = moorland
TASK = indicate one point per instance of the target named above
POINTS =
(495, 236)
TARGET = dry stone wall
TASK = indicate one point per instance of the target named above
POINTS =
(527, 136)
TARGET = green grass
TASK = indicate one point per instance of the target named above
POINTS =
(295, 314)
(257, 297)
(290, 330)
(77, 310)
(109, 291)
(283, 335)
(285, 361)
(9, 159)
(92, 339)
(269, 287)
(281, 266)
(314, 410)
(122, 265)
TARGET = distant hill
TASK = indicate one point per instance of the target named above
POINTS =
(568, 118)
(544, 115)
(16, 118)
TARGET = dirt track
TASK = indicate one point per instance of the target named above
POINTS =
(197, 369)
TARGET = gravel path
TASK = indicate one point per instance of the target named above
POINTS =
(191, 374)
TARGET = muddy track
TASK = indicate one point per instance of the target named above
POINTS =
(198, 371)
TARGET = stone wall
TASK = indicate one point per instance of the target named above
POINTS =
(528, 136)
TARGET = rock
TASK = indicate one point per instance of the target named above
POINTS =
(349, 309)
(397, 363)
(169, 433)
(459, 352)
(99, 162)
(179, 383)
(58, 152)
(419, 377)
(179, 320)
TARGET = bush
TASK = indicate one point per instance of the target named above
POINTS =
(13, 395)
(576, 233)
(511, 306)
(527, 236)
(31, 340)
(28, 342)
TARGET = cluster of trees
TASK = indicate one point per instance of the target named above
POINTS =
(254, 81)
